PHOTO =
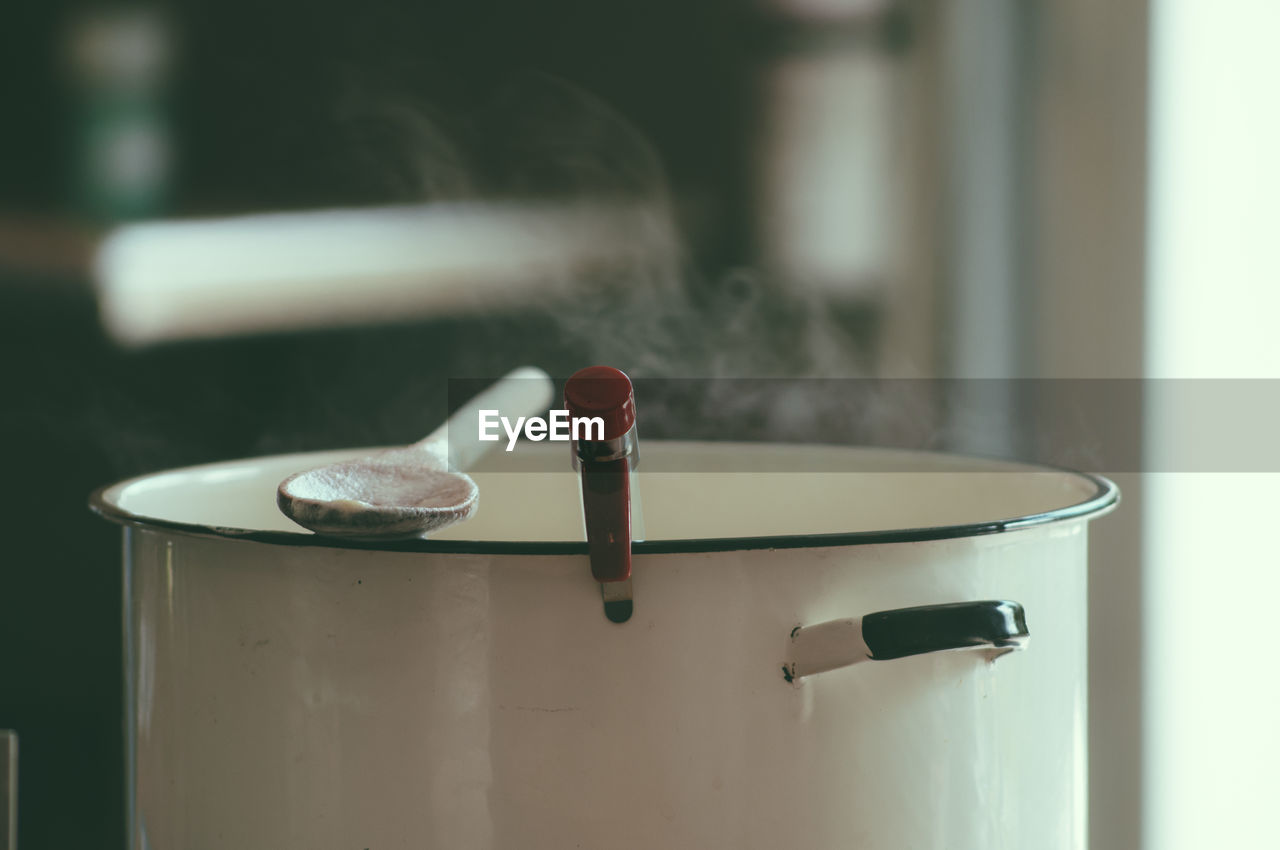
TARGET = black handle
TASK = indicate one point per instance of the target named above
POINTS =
(992, 624)
(935, 628)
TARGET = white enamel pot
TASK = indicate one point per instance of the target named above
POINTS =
(468, 692)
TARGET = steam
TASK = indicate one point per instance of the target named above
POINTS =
(647, 310)
(398, 149)
(540, 137)
(655, 315)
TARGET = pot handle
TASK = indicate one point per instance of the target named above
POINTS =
(998, 626)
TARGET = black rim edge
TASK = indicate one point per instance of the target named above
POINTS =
(1106, 496)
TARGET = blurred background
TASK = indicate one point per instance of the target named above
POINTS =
(234, 228)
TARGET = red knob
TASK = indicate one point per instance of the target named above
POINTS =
(605, 392)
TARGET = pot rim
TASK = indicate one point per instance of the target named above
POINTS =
(1105, 497)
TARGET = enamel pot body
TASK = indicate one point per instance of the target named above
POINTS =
(468, 692)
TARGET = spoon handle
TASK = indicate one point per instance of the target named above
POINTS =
(521, 392)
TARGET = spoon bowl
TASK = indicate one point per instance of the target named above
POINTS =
(411, 491)
(405, 493)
